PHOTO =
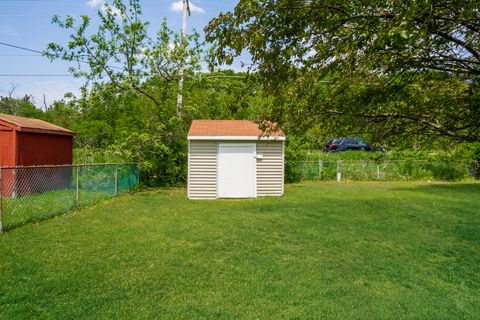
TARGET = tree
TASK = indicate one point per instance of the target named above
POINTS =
(121, 51)
(20, 107)
(387, 36)
(434, 107)
(63, 112)
(370, 44)
(128, 109)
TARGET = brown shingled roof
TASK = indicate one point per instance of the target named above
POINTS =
(241, 128)
(30, 124)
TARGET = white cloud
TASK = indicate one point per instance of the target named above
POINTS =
(177, 6)
(94, 3)
(113, 10)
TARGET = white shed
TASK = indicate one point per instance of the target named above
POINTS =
(231, 159)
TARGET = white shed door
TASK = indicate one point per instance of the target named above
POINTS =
(236, 170)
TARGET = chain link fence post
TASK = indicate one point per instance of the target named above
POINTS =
(77, 188)
(14, 192)
(137, 171)
(116, 180)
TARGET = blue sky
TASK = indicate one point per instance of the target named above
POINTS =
(27, 23)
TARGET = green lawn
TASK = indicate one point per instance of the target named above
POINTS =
(41, 206)
(373, 250)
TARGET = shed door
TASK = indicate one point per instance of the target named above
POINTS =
(236, 170)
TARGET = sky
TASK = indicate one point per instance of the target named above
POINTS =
(27, 23)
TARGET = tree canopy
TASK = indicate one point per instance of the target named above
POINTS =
(364, 46)
(352, 36)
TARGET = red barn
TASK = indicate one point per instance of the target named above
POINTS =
(32, 142)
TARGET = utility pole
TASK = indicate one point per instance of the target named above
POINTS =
(181, 71)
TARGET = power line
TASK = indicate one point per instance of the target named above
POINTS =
(18, 47)
(36, 75)
(41, 53)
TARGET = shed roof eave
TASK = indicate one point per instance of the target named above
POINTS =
(238, 138)
(44, 131)
(32, 125)
(7, 124)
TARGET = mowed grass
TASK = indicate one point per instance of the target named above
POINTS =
(41, 206)
(385, 250)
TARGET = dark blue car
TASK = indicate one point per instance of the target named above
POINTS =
(343, 144)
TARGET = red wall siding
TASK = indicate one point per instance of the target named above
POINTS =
(7, 158)
(7, 147)
(36, 149)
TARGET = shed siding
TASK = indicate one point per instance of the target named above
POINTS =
(202, 170)
(270, 169)
(44, 149)
(7, 147)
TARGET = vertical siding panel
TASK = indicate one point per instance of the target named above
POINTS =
(188, 171)
(270, 168)
(7, 148)
(202, 170)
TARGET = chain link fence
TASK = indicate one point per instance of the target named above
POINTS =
(368, 170)
(30, 194)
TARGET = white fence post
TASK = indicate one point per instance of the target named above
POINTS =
(339, 170)
(320, 168)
